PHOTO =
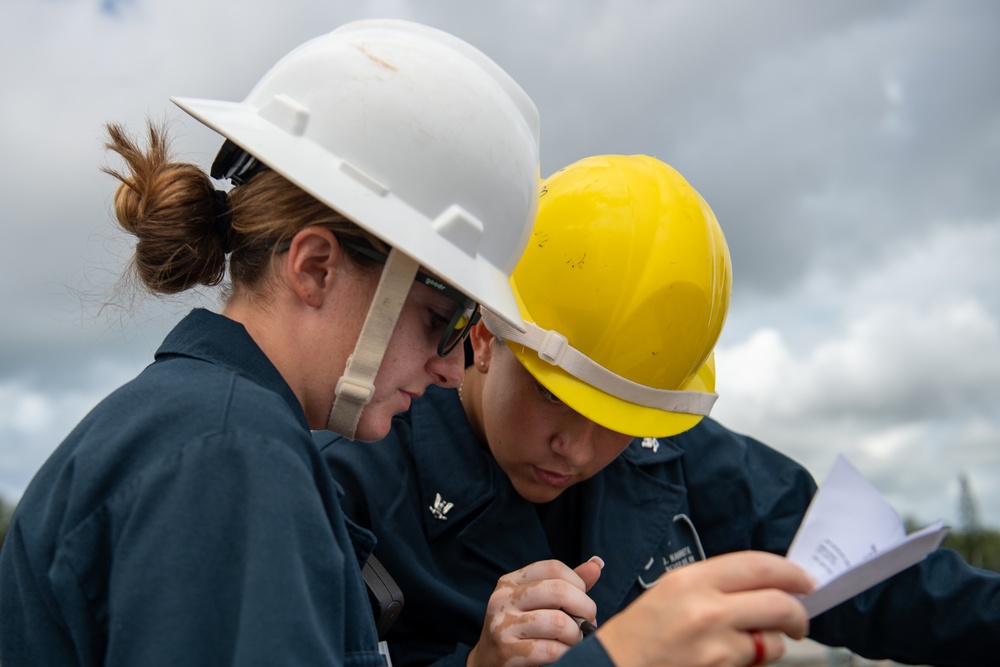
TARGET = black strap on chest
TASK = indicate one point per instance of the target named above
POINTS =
(384, 594)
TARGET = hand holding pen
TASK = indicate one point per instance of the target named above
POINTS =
(536, 614)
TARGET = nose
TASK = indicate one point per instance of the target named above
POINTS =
(448, 370)
(575, 440)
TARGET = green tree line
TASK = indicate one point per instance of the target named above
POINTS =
(6, 511)
(980, 548)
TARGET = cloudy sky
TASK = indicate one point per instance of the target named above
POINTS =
(851, 151)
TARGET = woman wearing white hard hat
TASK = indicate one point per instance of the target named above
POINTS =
(384, 184)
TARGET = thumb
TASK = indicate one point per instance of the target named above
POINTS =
(590, 571)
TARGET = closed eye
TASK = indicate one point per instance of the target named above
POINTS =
(546, 394)
(437, 321)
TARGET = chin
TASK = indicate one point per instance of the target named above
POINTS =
(373, 427)
(370, 435)
(533, 494)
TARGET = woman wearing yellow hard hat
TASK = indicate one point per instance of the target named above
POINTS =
(586, 434)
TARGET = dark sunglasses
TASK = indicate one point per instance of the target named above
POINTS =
(461, 322)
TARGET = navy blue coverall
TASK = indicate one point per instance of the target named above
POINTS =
(188, 520)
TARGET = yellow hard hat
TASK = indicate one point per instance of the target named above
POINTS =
(625, 287)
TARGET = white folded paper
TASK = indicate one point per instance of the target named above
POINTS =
(851, 539)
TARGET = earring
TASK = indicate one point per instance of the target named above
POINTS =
(482, 363)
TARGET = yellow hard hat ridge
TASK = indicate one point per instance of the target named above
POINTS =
(628, 267)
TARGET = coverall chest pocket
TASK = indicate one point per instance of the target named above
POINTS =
(682, 546)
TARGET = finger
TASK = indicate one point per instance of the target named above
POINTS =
(764, 647)
(769, 609)
(590, 571)
(750, 570)
(543, 570)
(548, 624)
(554, 594)
(759, 651)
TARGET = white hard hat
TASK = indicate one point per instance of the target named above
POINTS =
(412, 134)
(417, 137)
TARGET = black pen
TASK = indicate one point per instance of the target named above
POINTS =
(586, 627)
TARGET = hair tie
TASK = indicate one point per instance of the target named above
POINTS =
(223, 222)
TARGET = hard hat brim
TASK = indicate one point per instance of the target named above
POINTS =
(364, 201)
(609, 411)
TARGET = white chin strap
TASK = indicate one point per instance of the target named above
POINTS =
(356, 387)
(555, 349)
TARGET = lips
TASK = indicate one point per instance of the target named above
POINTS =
(550, 478)
(407, 399)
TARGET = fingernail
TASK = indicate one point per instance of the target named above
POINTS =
(598, 560)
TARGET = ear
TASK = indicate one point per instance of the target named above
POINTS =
(311, 268)
(482, 350)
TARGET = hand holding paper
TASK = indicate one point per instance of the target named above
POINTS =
(852, 539)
